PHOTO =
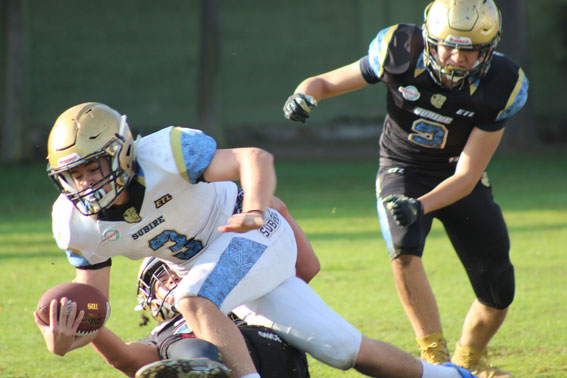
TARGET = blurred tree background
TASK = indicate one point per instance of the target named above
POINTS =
(227, 68)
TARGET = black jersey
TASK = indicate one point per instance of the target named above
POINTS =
(427, 126)
(272, 356)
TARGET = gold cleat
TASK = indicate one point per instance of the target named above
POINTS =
(477, 362)
(433, 348)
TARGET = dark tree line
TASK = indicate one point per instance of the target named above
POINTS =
(15, 147)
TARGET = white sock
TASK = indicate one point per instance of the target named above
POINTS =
(252, 375)
(439, 371)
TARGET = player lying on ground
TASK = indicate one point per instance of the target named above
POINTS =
(172, 339)
(171, 195)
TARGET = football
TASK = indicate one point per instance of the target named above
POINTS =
(88, 298)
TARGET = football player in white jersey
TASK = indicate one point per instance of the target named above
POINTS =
(171, 195)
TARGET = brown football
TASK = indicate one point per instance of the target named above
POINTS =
(88, 298)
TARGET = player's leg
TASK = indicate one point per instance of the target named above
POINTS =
(295, 312)
(407, 367)
(420, 306)
(481, 324)
(405, 246)
(234, 269)
(481, 240)
(272, 355)
(210, 324)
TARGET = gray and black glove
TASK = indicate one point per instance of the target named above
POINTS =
(298, 106)
(405, 210)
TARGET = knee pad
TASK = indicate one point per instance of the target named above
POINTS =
(178, 346)
(497, 287)
(338, 350)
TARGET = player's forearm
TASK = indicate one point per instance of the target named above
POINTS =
(258, 180)
(127, 358)
(313, 86)
(333, 83)
(109, 346)
(307, 265)
(448, 192)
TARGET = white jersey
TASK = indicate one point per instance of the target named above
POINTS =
(178, 218)
(251, 272)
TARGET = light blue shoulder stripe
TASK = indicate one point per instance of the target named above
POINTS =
(517, 99)
(378, 49)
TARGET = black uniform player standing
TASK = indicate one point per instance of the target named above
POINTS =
(449, 96)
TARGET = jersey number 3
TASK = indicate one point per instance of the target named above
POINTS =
(428, 134)
(182, 248)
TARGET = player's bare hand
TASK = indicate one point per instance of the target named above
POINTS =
(61, 331)
(244, 222)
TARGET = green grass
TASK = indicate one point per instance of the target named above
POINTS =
(334, 202)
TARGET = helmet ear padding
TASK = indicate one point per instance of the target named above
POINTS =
(460, 24)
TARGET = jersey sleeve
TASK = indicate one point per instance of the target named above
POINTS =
(392, 52)
(64, 216)
(193, 151)
(367, 71)
(517, 98)
(372, 66)
(509, 96)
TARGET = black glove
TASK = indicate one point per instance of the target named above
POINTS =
(405, 210)
(298, 106)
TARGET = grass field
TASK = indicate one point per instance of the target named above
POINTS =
(334, 202)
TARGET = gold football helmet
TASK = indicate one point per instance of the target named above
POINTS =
(85, 133)
(460, 24)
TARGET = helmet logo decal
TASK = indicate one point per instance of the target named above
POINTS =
(454, 40)
(131, 215)
(68, 159)
(438, 100)
(410, 93)
(110, 235)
